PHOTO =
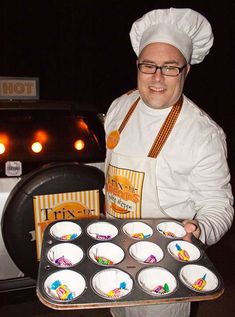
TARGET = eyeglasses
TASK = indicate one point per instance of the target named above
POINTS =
(147, 68)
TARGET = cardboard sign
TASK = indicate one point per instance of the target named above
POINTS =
(19, 88)
(63, 206)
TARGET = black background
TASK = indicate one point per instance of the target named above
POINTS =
(81, 51)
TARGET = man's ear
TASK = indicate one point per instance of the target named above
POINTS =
(187, 70)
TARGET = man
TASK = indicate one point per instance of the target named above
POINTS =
(166, 158)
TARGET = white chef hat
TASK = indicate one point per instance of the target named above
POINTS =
(186, 29)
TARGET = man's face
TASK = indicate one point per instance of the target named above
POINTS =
(159, 91)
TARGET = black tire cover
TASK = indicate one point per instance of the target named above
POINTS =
(18, 213)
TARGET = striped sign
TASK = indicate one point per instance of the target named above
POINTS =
(63, 206)
(124, 191)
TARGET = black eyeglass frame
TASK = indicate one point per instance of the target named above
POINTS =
(180, 69)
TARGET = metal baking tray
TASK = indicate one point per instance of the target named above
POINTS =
(102, 263)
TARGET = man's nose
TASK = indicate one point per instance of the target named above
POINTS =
(158, 74)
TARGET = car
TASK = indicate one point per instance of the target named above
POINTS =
(47, 148)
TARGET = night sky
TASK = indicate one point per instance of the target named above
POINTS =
(81, 51)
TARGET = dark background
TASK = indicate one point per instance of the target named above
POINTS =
(81, 51)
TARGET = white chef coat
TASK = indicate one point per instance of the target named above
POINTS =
(191, 171)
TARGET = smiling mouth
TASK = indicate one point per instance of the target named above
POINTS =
(156, 89)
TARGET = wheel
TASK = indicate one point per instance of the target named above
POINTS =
(18, 227)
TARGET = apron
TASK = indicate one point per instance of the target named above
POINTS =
(131, 184)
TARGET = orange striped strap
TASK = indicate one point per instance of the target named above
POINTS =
(127, 117)
(166, 129)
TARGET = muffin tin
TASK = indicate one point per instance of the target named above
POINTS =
(111, 263)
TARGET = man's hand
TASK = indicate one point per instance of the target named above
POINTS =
(192, 228)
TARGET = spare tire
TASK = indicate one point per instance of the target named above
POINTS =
(18, 214)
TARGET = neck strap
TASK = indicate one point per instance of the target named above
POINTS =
(165, 129)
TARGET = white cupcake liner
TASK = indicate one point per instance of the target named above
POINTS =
(146, 252)
(112, 284)
(65, 285)
(65, 254)
(198, 278)
(157, 281)
(106, 253)
(102, 231)
(138, 230)
(183, 251)
(65, 230)
(171, 229)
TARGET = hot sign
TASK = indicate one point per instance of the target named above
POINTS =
(19, 88)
